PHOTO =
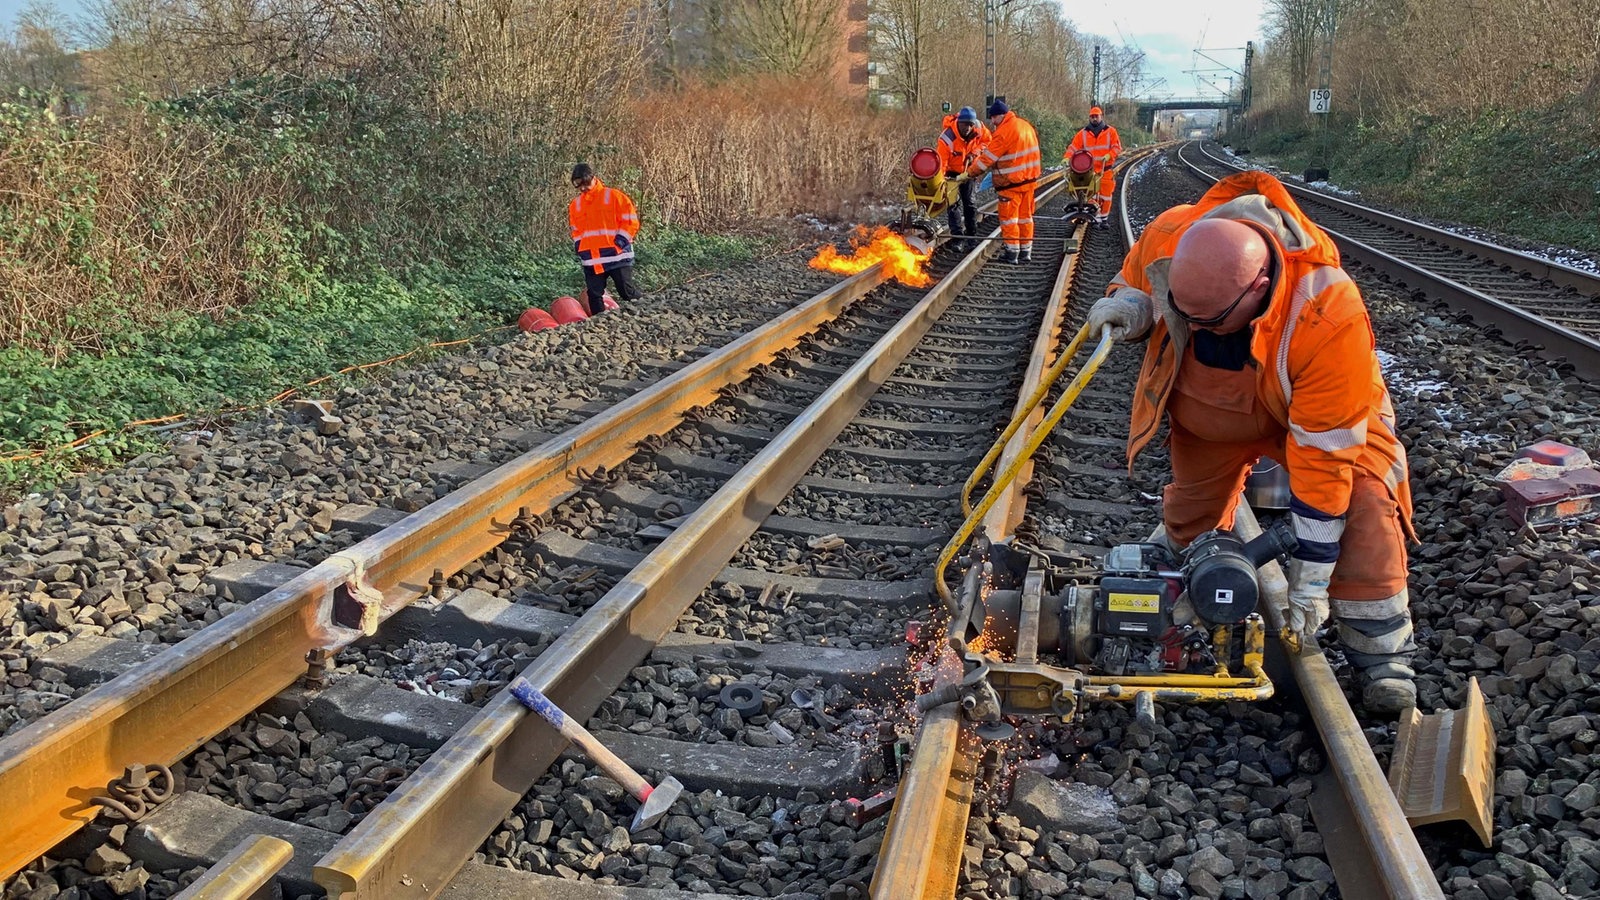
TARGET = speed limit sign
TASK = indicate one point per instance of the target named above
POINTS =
(1321, 99)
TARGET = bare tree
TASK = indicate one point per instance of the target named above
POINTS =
(788, 37)
(903, 28)
(37, 56)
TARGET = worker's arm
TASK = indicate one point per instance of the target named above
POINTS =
(627, 215)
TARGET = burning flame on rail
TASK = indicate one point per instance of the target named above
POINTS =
(900, 262)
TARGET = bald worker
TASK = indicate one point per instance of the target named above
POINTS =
(1260, 345)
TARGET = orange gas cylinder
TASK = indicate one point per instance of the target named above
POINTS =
(536, 319)
(567, 310)
(925, 163)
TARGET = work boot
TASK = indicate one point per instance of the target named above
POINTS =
(1009, 256)
(1391, 694)
(1027, 256)
(1380, 649)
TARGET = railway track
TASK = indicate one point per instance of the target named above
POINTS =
(1529, 300)
(718, 575)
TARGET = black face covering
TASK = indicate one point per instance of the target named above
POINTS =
(1222, 351)
(1095, 127)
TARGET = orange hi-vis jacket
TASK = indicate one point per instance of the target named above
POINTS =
(1105, 146)
(604, 223)
(955, 152)
(1013, 152)
(1312, 349)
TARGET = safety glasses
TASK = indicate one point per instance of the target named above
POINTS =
(1221, 317)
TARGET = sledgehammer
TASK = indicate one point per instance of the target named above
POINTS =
(653, 801)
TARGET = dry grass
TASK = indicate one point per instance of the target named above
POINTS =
(771, 147)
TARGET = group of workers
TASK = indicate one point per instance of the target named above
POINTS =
(1010, 148)
(1258, 344)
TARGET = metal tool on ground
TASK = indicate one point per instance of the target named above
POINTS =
(654, 802)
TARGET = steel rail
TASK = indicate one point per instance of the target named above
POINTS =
(1519, 324)
(1386, 855)
(1580, 280)
(1385, 859)
(420, 836)
(161, 711)
(921, 852)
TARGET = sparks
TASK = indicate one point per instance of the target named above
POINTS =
(900, 262)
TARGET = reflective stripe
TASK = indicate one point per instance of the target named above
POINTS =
(590, 257)
(1387, 608)
(1021, 153)
(1011, 221)
(1397, 470)
(1394, 641)
(946, 140)
(1332, 440)
(1322, 531)
(1025, 167)
(988, 155)
(1313, 283)
(601, 232)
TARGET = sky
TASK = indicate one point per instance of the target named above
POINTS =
(1169, 31)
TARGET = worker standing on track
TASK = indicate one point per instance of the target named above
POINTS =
(1260, 344)
(963, 136)
(1013, 152)
(604, 222)
(1101, 141)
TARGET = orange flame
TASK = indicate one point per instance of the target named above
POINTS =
(900, 262)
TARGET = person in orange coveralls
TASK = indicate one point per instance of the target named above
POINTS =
(1260, 344)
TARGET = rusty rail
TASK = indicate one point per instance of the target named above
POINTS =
(921, 852)
(161, 711)
(418, 838)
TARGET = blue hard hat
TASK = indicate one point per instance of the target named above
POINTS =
(967, 114)
(998, 108)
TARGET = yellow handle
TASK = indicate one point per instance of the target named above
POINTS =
(1004, 479)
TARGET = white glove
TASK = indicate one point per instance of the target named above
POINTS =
(1127, 312)
(1308, 597)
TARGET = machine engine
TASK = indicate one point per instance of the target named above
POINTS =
(1149, 613)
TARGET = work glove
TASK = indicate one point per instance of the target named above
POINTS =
(1308, 597)
(1128, 312)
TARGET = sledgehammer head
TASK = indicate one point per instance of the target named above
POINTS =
(656, 805)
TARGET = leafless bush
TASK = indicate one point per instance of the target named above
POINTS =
(778, 147)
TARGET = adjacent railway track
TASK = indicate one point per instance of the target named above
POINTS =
(1535, 301)
(766, 516)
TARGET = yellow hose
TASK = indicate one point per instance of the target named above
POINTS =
(1022, 415)
(1004, 479)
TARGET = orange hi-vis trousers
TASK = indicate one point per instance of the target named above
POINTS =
(1016, 218)
(1218, 429)
(1108, 183)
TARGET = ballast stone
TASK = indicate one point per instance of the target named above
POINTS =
(1048, 805)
